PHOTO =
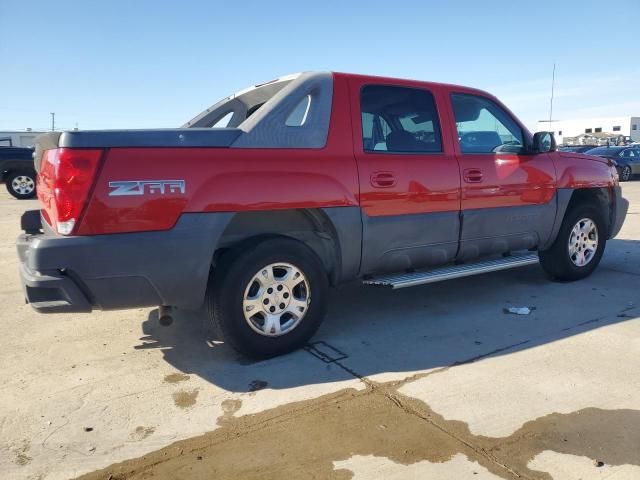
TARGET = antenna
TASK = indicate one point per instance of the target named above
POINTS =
(53, 121)
(553, 82)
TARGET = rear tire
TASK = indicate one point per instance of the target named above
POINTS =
(21, 185)
(268, 298)
(579, 246)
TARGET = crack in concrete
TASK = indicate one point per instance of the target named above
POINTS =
(396, 398)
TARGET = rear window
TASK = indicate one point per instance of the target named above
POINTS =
(399, 120)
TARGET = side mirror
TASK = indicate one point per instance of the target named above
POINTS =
(544, 142)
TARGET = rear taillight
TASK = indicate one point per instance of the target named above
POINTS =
(65, 179)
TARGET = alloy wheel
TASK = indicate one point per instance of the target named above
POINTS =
(23, 185)
(276, 299)
(583, 242)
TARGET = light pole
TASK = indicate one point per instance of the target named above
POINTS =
(553, 83)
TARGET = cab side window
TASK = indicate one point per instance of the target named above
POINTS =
(399, 120)
(484, 127)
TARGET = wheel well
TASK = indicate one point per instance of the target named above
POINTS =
(5, 175)
(309, 226)
(11, 169)
(596, 196)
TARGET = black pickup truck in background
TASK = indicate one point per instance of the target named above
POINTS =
(17, 171)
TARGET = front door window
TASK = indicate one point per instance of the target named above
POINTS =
(484, 127)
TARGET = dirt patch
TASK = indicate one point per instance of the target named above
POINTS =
(140, 433)
(296, 441)
(22, 459)
(21, 456)
(611, 437)
(185, 398)
(229, 407)
(302, 440)
(176, 378)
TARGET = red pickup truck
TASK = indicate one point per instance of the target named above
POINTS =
(261, 202)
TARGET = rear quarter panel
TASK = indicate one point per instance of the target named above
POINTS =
(226, 179)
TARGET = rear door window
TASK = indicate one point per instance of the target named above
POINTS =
(399, 120)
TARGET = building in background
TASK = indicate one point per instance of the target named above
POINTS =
(18, 138)
(592, 130)
(599, 138)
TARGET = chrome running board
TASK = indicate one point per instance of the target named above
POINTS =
(456, 271)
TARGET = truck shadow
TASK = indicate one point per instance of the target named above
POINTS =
(370, 331)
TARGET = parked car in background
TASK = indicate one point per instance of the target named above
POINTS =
(576, 148)
(627, 159)
(19, 138)
(17, 171)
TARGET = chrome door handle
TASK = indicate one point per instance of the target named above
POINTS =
(472, 175)
(383, 179)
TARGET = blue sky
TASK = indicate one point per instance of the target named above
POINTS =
(143, 63)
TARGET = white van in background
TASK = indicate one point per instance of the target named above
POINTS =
(18, 138)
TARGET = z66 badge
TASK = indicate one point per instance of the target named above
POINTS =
(140, 187)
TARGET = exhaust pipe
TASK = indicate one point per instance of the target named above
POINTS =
(165, 315)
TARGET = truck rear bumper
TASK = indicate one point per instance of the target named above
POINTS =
(52, 293)
(78, 274)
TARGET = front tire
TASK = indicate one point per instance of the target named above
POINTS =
(268, 298)
(579, 246)
(21, 185)
(625, 173)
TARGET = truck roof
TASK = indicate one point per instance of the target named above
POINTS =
(397, 80)
(239, 106)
